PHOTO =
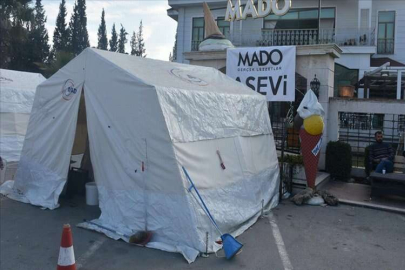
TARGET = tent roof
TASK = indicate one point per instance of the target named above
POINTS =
(19, 80)
(174, 75)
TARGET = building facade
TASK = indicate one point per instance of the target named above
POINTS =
(366, 33)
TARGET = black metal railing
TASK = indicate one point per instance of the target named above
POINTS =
(195, 44)
(385, 46)
(358, 129)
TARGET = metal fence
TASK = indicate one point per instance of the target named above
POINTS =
(358, 129)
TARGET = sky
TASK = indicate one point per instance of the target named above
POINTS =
(159, 30)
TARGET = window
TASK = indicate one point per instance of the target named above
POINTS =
(344, 77)
(386, 29)
(197, 33)
(223, 26)
(301, 19)
(377, 121)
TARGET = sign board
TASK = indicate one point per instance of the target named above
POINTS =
(268, 70)
(264, 8)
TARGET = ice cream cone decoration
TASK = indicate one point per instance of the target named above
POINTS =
(214, 39)
(311, 111)
(310, 148)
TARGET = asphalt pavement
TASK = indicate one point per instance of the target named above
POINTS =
(292, 237)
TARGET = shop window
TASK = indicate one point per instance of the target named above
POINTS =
(386, 29)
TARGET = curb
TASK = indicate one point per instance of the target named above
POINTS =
(373, 206)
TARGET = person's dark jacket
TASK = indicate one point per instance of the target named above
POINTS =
(379, 151)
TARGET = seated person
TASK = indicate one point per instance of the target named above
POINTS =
(381, 155)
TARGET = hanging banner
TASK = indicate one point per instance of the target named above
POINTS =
(268, 70)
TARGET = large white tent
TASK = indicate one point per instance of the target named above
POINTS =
(146, 119)
(17, 91)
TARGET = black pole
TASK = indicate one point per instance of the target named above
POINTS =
(319, 21)
(282, 161)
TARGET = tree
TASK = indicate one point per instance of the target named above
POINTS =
(122, 40)
(141, 43)
(61, 33)
(16, 17)
(134, 44)
(173, 56)
(113, 40)
(38, 48)
(102, 34)
(79, 37)
(60, 59)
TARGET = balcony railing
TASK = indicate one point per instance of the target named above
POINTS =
(275, 37)
(295, 37)
(385, 46)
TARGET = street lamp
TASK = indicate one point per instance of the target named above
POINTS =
(315, 85)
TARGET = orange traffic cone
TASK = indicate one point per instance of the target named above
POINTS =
(66, 259)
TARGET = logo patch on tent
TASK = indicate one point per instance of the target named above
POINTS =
(184, 76)
(68, 89)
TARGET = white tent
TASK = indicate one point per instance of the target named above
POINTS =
(17, 91)
(146, 119)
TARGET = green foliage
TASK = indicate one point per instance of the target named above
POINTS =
(113, 40)
(79, 37)
(102, 34)
(16, 17)
(61, 33)
(292, 159)
(59, 60)
(122, 40)
(339, 160)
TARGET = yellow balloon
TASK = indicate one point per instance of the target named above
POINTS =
(313, 124)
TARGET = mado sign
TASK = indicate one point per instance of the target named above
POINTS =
(268, 70)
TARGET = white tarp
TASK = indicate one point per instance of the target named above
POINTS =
(162, 115)
(269, 71)
(17, 92)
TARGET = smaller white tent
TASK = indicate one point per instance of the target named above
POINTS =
(17, 92)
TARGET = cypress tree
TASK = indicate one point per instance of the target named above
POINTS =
(113, 40)
(141, 43)
(122, 40)
(102, 34)
(134, 44)
(39, 47)
(174, 55)
(79, 37)
(61, 33)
